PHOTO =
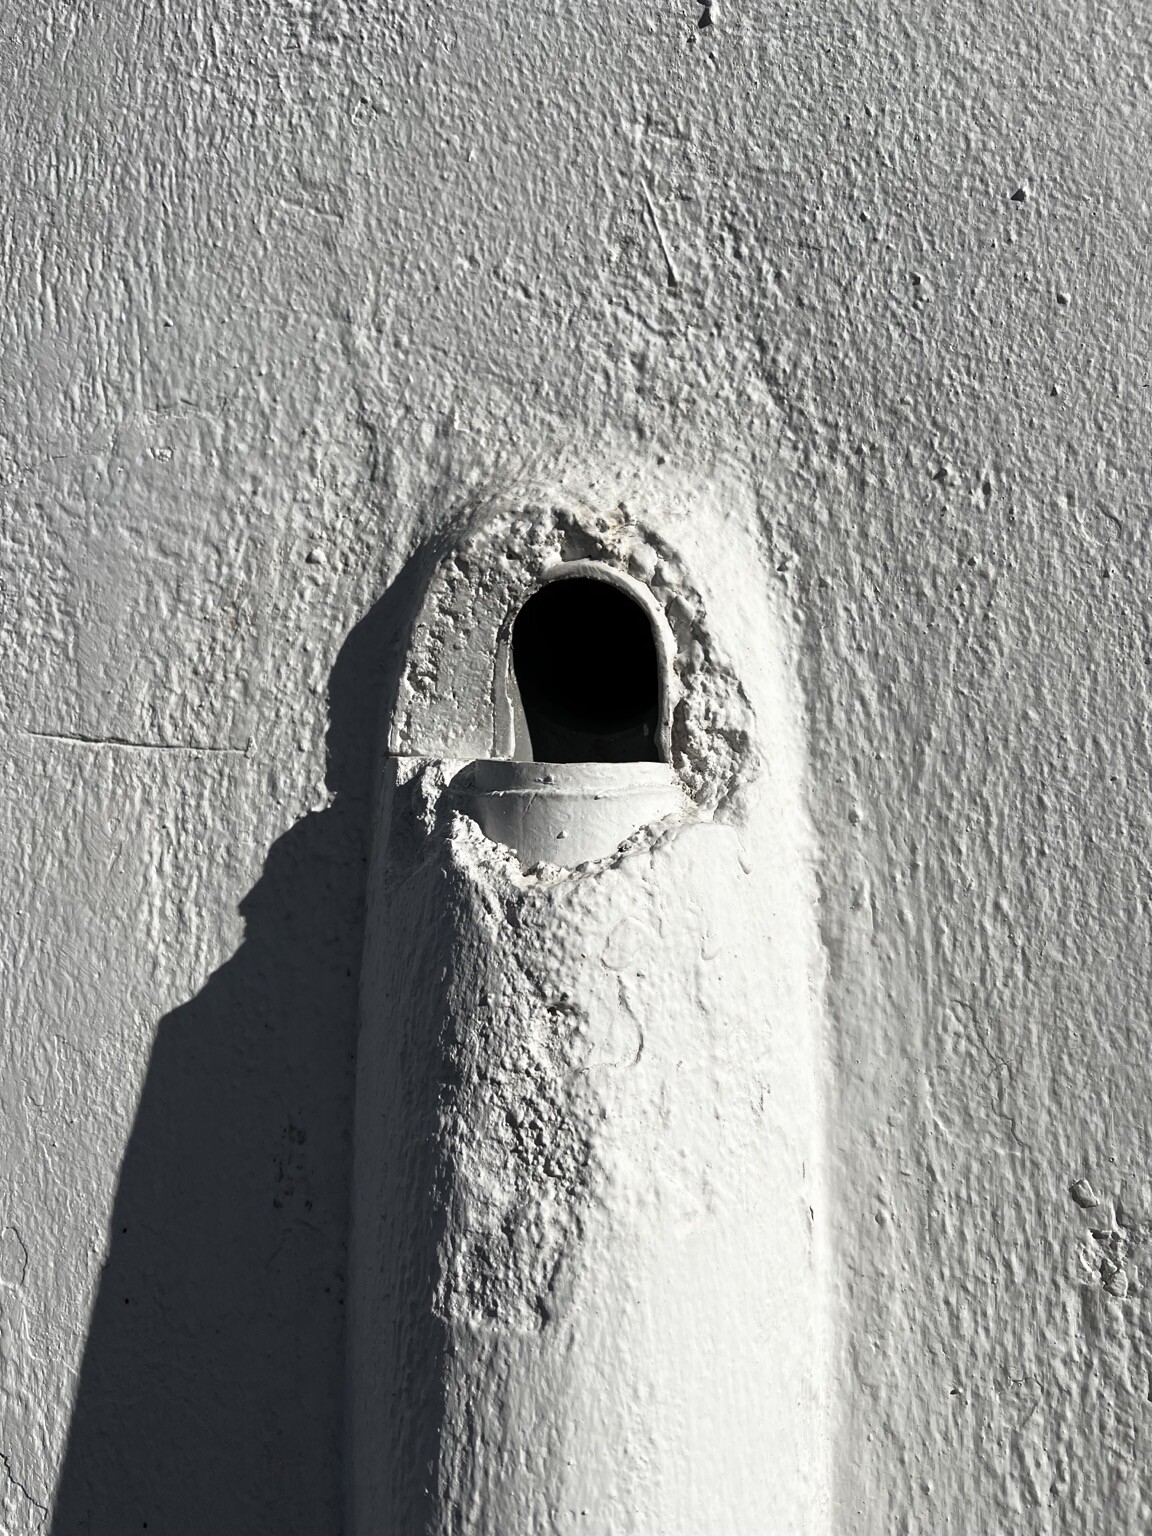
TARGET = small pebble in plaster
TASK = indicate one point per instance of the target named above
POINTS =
(1020, 195)
(622, 945)
(1062, 298)
(1083, 1194)
(314, 557)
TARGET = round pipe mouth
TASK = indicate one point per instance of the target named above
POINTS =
(586, 661)
(566, 813)
(587, 668)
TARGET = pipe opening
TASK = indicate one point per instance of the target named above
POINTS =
(585, 663)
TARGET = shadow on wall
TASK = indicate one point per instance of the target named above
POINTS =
(210, 1400)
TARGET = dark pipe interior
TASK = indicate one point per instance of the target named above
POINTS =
(586, 667)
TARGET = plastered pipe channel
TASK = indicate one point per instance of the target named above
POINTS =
(588, 1284)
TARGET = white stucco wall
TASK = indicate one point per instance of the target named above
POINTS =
(281, 283)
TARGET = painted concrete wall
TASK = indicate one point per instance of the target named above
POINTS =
(281, 283)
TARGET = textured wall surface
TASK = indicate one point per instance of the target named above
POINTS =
(280, 282)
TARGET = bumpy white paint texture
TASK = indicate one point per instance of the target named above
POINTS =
(281, 283)
(587, 1269)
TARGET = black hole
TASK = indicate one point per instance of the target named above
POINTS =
(585, 664)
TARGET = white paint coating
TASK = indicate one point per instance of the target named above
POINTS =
(588, 1279)
(284, 286)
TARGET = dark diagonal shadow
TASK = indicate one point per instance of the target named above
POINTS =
(211, 1390)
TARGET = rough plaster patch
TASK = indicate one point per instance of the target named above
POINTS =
(587, 1248)
(497, 553)
(13, 1257)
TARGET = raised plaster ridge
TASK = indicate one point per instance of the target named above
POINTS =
(588, 1280)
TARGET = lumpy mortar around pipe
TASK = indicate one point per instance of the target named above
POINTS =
(587, 1258)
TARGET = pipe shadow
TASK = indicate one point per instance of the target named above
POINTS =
(211, 1392)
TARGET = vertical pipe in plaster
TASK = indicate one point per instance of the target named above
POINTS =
(587, 1268)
